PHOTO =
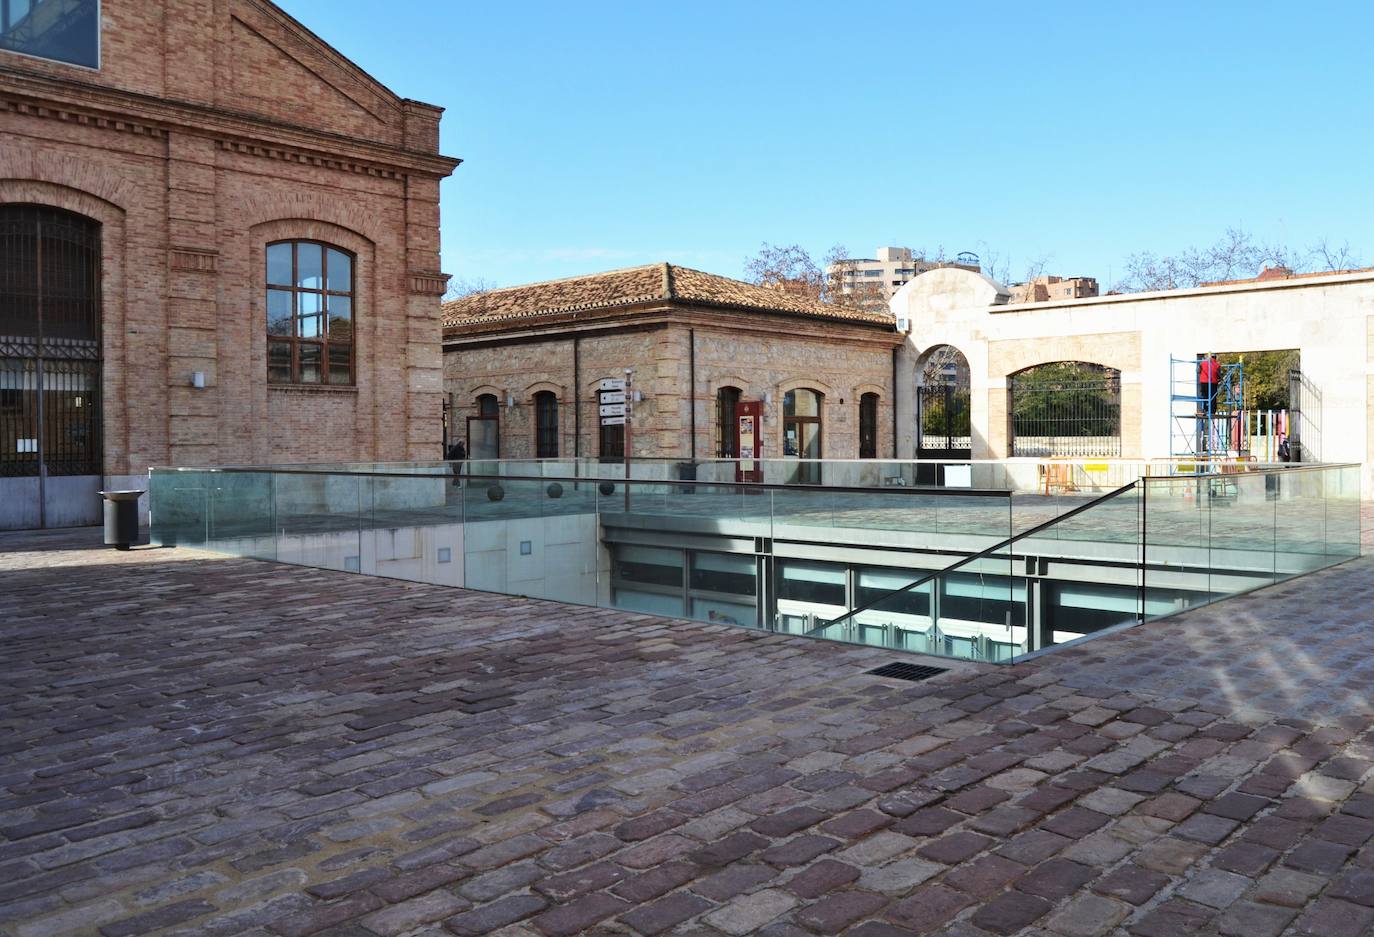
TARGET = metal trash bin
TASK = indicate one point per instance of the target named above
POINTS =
(121, 518)
(687, 471)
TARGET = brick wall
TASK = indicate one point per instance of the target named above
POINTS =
(247, 130)
(745, 350)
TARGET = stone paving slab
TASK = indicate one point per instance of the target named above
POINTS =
(196, 745)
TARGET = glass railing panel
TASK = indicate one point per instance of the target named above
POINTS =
(1086, 570)
(1300, 521)
(319, 518)
(412, 526)
(907, 517)
(241, 514)
(1242, 531)
(1177, 534)
(1106, 529)
(1341, 492)
(179, 507)
(740, 510)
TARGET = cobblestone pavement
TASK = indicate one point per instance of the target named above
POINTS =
(195, 745)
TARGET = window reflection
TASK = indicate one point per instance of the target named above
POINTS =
(61, 30)
(310, 326)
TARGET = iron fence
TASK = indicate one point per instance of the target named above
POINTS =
(1053, 416)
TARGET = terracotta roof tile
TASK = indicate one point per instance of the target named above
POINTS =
(662, 282)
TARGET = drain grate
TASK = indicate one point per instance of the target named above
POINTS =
(908, 671)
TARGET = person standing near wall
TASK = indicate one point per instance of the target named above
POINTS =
(1208, 370)
(457, 455)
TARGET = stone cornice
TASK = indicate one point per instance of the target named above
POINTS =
(428, 283)
(193, 260)
(92, 104)
(78, 117)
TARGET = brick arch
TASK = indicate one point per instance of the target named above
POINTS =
(729, 380)
(808, 383)
(98, 204)
(557, 389)
(269, 206)
(1091, 364)
(18, 165)
(1119, 351)
(478, 390)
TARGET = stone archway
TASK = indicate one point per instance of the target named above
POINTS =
(943, 405)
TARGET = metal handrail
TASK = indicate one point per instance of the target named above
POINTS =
(982, 554)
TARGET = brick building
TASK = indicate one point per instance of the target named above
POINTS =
(1049, 288)
(219, 243)
(522, 367)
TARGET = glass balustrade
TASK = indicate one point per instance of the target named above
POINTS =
(1036, 556)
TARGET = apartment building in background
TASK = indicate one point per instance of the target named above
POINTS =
(1051, 289)
(882, 276)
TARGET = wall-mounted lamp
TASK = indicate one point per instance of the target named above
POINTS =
(197, 378)
(637, 396)
(510, 401)
(767, 397)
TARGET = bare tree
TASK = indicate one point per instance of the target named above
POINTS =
(994, 264)
(1235, 255)
(1331, 257)
(857, 293)
(1037, 267)
(945, 361)
(788, 268)
(458, 288)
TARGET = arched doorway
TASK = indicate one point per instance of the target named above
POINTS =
(943, 423)
(50, 357)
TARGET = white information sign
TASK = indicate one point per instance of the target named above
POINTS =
(612, 383)
(612, 421)
(613, 409)
(612, 396)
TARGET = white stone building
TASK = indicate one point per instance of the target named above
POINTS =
(1328, 319)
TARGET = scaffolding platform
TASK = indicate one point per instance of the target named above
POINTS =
(1204, 427)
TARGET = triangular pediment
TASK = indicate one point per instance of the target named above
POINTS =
(280, 69)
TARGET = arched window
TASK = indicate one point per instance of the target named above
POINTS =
(868, 426)
(309, 313)
(801, 432)
(727, 422)
(546, 425)
(484, 438)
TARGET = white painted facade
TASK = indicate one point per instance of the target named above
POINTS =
(1329, 319)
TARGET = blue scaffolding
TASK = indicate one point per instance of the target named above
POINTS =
(1205, 426)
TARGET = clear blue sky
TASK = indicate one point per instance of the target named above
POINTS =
(597, 135)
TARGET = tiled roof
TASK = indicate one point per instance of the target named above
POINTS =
(654, 282)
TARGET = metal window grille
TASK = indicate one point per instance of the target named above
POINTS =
(868, 426)
(944, 427)
(727, 416)
(1065, 409)
(546, 424)
(50, 361)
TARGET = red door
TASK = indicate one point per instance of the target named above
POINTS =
(749, 441)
